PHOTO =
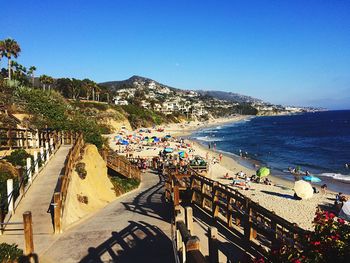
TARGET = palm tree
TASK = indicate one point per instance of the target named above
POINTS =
(9, 47)
(46, 80)
(31, 73)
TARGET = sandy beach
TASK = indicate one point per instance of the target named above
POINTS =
(277, 197)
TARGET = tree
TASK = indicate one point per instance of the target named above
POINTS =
(76, 88)
(31, 73)
(89, 87)
(8, 48)
(46, 80)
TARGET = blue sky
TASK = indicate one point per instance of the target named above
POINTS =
(289, 52)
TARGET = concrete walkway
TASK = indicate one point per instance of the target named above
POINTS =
(134, 228)
(37, 200)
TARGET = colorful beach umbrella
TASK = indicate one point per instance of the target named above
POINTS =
(312, 179)
(182, 154)
(303, 189)
(263, 172)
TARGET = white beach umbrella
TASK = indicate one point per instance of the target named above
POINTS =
(345, 211)
(303, 189)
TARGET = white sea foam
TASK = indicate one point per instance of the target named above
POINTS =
(337, 176)
(208, 139)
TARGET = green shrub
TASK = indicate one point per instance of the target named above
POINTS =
(9, 253)
(49, 107)
(123, 185)
(81, 171)
(18, 157)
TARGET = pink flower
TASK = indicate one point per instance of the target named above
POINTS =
(341, 220)
(331, 215)
(316, 243)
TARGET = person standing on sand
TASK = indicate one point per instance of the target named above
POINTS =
(214, 146)
(220, 157)
(209, 145)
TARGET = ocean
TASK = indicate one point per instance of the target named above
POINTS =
(316, 142)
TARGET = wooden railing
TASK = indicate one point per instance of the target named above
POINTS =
(72, 158)
(122, 165)
(233, 210)
(29, 138)
(17, 187)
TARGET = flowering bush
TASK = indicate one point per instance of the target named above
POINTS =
(330, 242)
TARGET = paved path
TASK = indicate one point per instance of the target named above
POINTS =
(134, 228)
(37, 200)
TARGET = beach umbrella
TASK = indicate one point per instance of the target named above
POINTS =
(156, 139)
(345, 211)
(312, 179)
(182, 154)
(167, 136)
(263, 172)
(303, 189)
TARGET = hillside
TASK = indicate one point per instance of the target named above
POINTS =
(134, 82)
(230, 96)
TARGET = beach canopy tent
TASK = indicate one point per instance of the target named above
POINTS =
(303, 189)
(168, 150)
(311, 178)
(124, 142)
(345, 211)
(263, 172)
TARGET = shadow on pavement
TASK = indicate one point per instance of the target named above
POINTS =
(151, 202)
(138, 242)
(232, 242)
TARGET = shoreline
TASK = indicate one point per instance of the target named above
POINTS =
(334, 186)
(278, 198)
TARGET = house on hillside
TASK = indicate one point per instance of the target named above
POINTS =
(120, 101)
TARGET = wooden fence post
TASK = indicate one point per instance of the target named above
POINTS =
(28, 233)
(42, 157)
(213, 244)
(37, 140)
(47, 151)
(26, 138)
(248, 228)
(29, 170)
(9, 141)
(189, 219)
(36, 163)
(192, 244)
(10, 196)
(51, 144)
(57, 212)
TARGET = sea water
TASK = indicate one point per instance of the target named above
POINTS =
(316, 142)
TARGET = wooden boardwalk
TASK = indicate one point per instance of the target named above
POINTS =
(38, 200)
(134, 228)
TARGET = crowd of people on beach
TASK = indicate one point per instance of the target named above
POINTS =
(180, 153)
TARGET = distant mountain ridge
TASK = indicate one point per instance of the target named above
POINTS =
(142, 82)
(134, 82)
(230, 96)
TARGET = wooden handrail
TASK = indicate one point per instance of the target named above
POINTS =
(60, 197)
(123, 166)
(234, 210)
(11, 138)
